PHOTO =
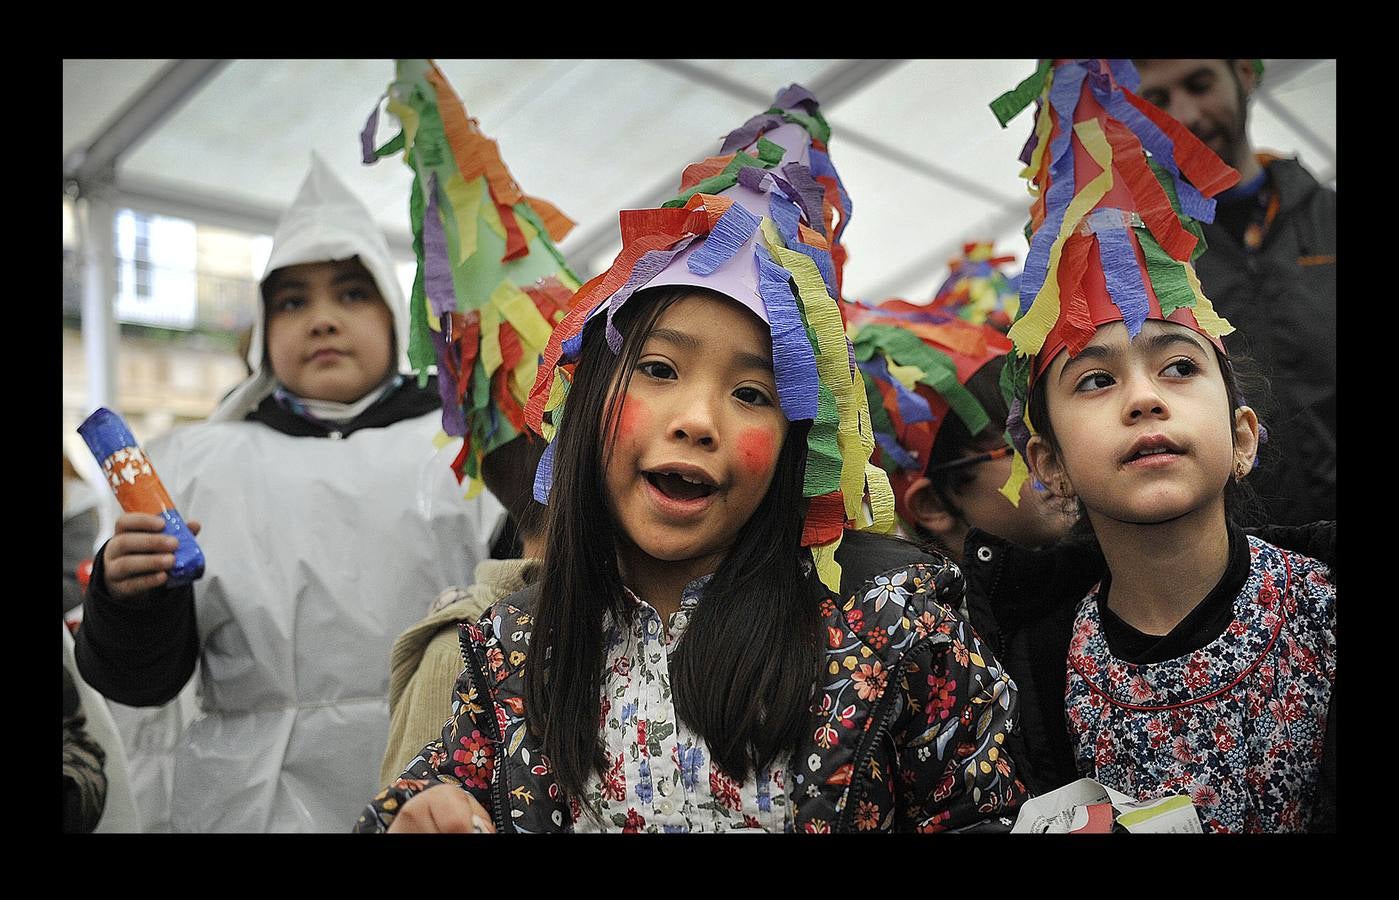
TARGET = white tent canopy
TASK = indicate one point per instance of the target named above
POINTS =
(225, 142)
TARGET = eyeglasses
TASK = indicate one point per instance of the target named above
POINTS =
(970, 460)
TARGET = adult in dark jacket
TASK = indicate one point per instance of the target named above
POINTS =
(1270, 269)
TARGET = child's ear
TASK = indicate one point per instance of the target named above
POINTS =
(1245, 440)
(928, 509)
(1248, 78)
(1047, 468)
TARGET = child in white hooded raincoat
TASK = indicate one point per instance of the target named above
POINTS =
(327, 517)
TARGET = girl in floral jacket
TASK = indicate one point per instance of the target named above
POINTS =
(712, 645)
(1203, 662)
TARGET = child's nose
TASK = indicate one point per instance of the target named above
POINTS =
(1144, 400)
(325, 317)
(695, 422)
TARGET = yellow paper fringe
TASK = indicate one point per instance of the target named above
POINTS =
(466, 206)
(827, 569)
(491, 358)
(409, 117)
(519, 310)
(1031, 329)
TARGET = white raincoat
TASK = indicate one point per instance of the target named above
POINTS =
(319, 552)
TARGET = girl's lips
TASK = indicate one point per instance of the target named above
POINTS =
(1153, 460)
(674, 508)
(326, 355)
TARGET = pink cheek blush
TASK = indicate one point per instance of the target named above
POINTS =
(756, 450)
(633, 419)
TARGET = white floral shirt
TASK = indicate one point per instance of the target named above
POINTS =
(661, 777)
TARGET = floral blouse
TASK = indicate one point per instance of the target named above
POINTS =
(662, 778)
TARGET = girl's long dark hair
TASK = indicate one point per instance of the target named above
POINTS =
(742, 674)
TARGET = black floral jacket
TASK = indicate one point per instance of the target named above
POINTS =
(908, 726)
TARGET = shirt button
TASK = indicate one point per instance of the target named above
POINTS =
(983, 554)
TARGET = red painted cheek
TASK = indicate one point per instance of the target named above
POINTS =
(633, 418)
(757, 449)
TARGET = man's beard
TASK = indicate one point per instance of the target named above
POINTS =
(1233, 136)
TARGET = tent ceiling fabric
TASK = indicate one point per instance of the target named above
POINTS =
(925, 162)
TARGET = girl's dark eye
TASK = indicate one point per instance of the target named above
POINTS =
(287, 304)
(656, 369)
(753, 396)
(356, 294)
(1094, 381)
(1181, 368)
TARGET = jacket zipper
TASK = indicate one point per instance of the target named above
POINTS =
(864, 751)
(475, 669)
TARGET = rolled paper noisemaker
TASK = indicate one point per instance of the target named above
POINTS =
(138, 488)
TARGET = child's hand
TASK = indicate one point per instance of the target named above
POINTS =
(441, 809)
(138, 557)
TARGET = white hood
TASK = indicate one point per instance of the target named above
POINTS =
(325, 223)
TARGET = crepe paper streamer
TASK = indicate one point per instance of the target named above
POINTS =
(1125, 74)
(1120, 269)
(889, 446)
(912, 408)
(1015, 481)
(453, 421)
(793, 361)
(491, 357)
(408, 118)
(881, 499)
(1008, 105)
(515, 244)
(466, 208)
(1057, 199)
(731, 232)
(821, 168)
(1207, 172)
(810, 195)
(940, 372)
(1075, 322)
(1161, 143)
(366, 136)
(1044, 124)
(438, 269)
(759, 180)
(827, 569)
(823, 458)
(706, 168)
(814, 123)
(1030, 330)
(786, 216)
(556, 224)
(832, 362)
(139, 489)
(746, 133)
(651, 263)
(717, 183)
(825, 519)
(1153, 204)
(544, 474)
(519, 310)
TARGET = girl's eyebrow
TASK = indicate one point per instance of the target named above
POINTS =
(688, 342)
(1154, 343)
(1091, 352)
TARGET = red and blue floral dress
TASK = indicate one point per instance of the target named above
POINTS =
(1239, 725)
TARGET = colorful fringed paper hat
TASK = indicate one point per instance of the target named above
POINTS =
(915, 362)
(490, 285)
(1120, 188)
(977, 290)
(760, 223)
